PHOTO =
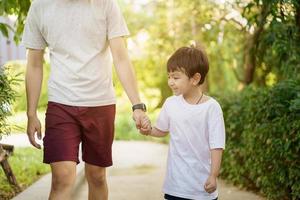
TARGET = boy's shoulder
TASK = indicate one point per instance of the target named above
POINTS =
(173, 98)
(214, 105)
(170, 101)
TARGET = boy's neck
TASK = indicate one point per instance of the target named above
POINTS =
(194, 95)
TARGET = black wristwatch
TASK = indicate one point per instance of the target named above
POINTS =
(141, 106)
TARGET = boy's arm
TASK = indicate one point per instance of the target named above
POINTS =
(126, 75)
(153, 131)
(157, 133)
(216, 157)
(33, 81)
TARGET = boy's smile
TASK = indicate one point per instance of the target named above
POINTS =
(179, 82)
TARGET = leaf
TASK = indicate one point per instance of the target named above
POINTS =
(4, 29)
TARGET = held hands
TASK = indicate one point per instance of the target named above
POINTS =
(34, 126)
(211, 184)
(146, 126)
(142, 122)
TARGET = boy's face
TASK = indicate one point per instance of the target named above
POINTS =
(179, 82)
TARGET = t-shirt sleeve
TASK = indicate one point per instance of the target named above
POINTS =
(163, 120)
(216, 128)
(116, 25)
(32, 36)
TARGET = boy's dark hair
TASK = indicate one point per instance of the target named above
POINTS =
(190, 60)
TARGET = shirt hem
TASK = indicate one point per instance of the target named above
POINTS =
(84, 104)
(118, 35)
(217, 147)
(31, 46)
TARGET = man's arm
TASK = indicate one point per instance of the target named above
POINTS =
(216, 158)
(33, 80)
(126, 75)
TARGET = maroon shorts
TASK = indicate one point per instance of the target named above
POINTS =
(68, 126)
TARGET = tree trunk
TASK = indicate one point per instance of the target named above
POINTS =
(7, 169)
(194, 28)
(252, 45)
(250, 56)
(297, 18)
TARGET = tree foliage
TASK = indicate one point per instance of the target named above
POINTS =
(273, 45)
(172, 24)
(14, 7)
(265, 47)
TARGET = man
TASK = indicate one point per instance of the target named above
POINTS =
(80, 35)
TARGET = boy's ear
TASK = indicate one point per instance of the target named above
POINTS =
(196, 78)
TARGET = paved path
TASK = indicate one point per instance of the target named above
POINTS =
(138, 173)
(18, 140)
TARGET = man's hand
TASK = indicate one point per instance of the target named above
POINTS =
(141, 119)
(34, 126)
(211, 184)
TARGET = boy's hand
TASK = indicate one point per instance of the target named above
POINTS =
(146, 126)
(211, 184)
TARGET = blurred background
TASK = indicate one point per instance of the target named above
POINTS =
(254, 53)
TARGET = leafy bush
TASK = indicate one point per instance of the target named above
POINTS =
(263, 139)
(7, 95)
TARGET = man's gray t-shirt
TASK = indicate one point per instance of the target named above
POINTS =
(77, 33)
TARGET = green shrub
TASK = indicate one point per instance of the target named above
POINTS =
(263, 139)
(7, 95)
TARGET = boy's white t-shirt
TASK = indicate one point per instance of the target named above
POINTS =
(77, 33)
(194, 131)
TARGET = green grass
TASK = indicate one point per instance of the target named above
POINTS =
(27, 167)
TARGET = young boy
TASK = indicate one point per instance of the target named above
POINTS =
(196, 126)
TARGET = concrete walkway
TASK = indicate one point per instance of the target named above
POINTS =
(138, 173)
